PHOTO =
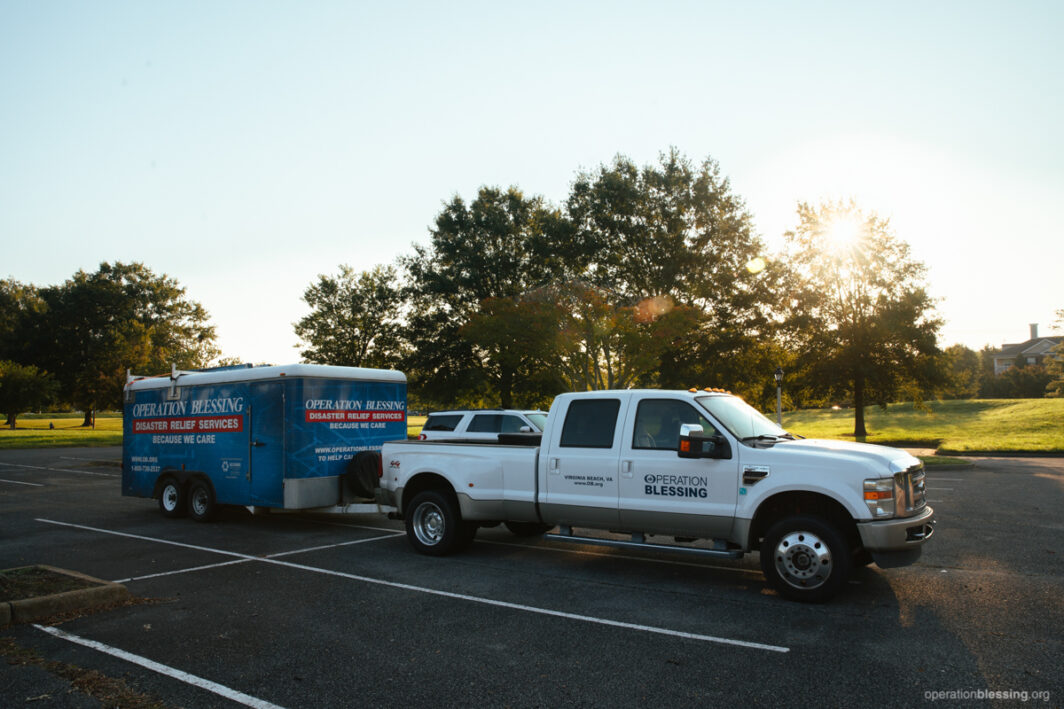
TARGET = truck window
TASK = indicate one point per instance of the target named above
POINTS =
(436, 422)
(590, 423)
(512, 424)
(657, 423)
(484, 423)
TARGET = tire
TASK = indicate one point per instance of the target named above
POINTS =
(201, 505)
(805, 558)
(434, 525)
(173, 500)
(527, 529)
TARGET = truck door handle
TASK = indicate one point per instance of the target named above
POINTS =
(626, 468)
(257, 443)
(553, 466)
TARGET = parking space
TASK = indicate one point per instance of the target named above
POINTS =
(332, 611)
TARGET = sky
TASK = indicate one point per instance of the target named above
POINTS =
(244, 148)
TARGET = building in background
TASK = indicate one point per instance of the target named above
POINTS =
(1033, 351)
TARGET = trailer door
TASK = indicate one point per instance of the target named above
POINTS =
(267, 443)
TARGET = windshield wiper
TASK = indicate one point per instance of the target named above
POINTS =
(761, 437)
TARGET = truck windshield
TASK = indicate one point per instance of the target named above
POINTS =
(742, 420)
(538, 419)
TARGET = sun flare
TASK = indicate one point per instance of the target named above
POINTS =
(844, 231)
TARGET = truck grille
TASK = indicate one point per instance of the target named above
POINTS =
(909, 492)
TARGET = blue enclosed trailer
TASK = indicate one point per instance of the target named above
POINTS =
(275, 437)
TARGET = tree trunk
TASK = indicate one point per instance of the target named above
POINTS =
(506, 389)
(10, 423)
(90, 419)
(858, 407)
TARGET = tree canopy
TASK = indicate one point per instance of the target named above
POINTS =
(354, 319)
(24, 388)
(860, 316)
(92, 328)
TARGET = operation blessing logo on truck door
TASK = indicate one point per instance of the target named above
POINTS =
(676, 485)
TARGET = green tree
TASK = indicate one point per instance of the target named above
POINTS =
(97, 325)
(674, 230)
(20, 310)
(24, 388)
(513, 339)
(861, 317)
(1055, 363)
(963, 369)
(354, 319)
(495, 247)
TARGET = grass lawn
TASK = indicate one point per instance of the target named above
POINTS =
(1015, 425)
(32, 431)
(414, 424)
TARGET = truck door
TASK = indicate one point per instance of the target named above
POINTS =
(581, 464)
(658, 489)
(266, 442)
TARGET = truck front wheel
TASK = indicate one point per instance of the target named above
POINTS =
(805, 558)
(434, 525)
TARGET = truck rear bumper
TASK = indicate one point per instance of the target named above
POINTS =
(898, 535)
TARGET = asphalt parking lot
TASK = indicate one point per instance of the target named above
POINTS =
(300, 611)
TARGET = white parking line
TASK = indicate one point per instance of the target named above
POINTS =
(70, 457)
(331, 546)
(244, 561)
(213, 687)
(61, 470)
(450, 594)
(182, 571)
(940, 488)
(19, 482)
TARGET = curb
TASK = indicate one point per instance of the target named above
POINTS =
(1000, 454)
(25, 610)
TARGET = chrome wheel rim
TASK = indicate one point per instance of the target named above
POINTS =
(429, 524)
(803, 560)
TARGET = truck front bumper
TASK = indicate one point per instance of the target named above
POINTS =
(897, 542)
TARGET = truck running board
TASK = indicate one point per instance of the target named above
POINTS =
(638, 542)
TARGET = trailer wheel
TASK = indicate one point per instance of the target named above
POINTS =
(172, 498)
(527, 529)
(434, 525)
(805, 558)
(201, 505)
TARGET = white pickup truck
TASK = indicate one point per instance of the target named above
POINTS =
(680, 465)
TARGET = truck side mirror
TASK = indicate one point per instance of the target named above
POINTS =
(694, 443)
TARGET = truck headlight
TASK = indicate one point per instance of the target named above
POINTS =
(879, 496)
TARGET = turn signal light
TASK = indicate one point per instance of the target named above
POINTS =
(878, 494)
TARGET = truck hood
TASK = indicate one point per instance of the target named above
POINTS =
(880, 460)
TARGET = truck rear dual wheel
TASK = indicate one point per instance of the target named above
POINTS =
(805, 558)
(434, 525)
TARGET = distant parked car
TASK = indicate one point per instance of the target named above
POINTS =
(484, 424)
